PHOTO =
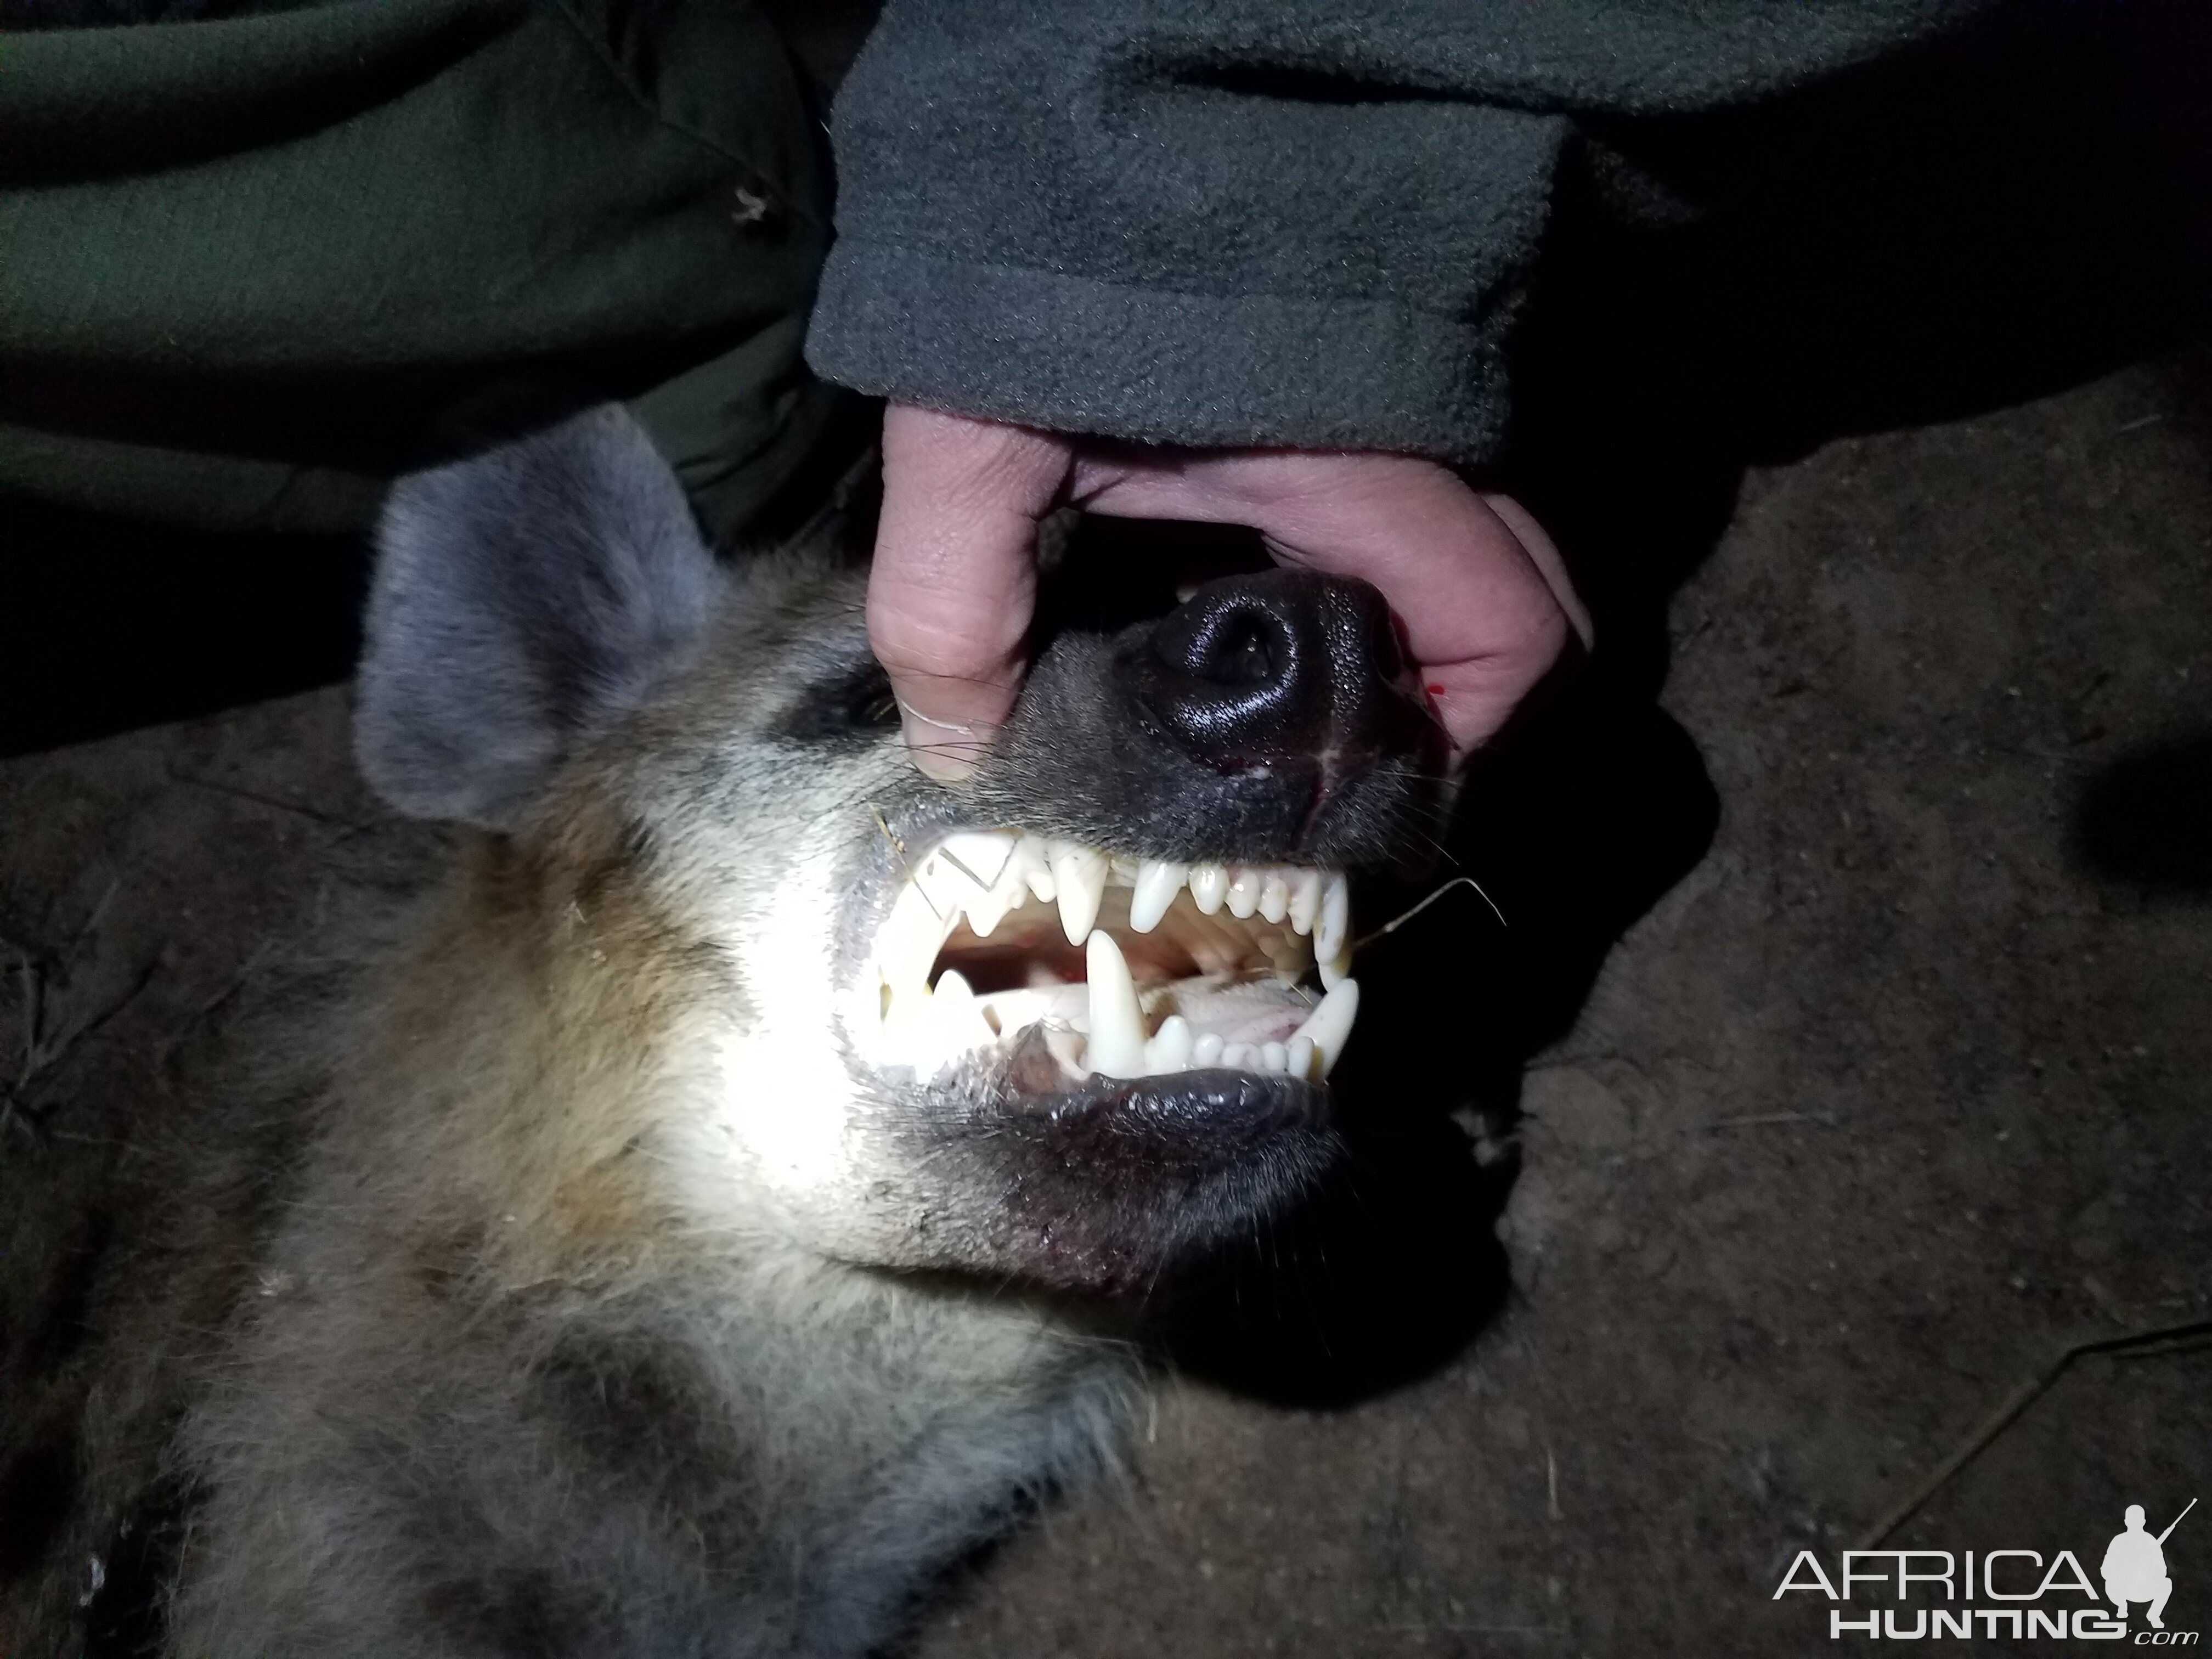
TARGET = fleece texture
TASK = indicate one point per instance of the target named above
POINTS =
(251, 261)
(1265, 221)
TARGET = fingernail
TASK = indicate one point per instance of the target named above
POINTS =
(944, 751)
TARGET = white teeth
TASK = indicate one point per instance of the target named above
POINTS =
(1098, 1027)
(959, 1024)
(961, 869)
(1333, 926)
(1066, 1048)
(980, 854)
(1157, 885)
(1169, 1050)
(986, 910)
(1117, 1022)
(1029, 869)
(1079, 872)
(1037, 867)
(1244, 893)
(1330, 1024)
(1209, 885)
(908, 942)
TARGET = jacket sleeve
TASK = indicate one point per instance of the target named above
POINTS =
(1272, 223)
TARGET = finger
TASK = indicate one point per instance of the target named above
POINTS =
(1544, 553)
(1485, 612)
(954, 583)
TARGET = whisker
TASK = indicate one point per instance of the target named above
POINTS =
(1400, 920)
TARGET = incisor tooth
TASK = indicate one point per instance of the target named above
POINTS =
(1029, 868)
(1206, 1050)
(1242, 1056)
(1209, 885)
(1079, 872)
(1034, 857)
(1274, 897)
(1169, 1048)
(1117, 1022)
(1298, 1058)
(1274, 1057)
(1244, 892)
(1330, 1024)
(1306, 900)
(1333, 924)
(1157, 885)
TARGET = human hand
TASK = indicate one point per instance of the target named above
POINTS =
(1477, 585)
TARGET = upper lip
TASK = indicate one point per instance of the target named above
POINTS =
(1144, 966)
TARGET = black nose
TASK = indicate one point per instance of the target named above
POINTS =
(1283, 668)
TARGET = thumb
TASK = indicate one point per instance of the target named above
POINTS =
(954, 584)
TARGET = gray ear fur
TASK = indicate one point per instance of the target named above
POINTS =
(522, 598)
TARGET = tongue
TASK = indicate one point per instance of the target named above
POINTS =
(1240, 1012)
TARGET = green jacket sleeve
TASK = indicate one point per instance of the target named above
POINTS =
(247, 263)
(1312, 223)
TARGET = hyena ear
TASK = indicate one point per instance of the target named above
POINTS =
(522, 598)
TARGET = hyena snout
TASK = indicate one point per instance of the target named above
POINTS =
(1269, 717)
(1285, 668)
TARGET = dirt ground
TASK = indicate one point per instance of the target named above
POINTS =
(1898, 1095)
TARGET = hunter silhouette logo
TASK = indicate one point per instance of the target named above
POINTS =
(2033, 1599)
(2135, 1565)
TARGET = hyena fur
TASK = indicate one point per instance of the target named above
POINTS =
(610, 1302)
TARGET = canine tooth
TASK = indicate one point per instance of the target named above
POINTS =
(1333, 926)
(1157, 885)
(1117, 1022)
(1335, 972)
(1169, 1050)
(1298, 1058)
(1206, 1050)
(1274, 1057)
(1306, 900)
(1244, 892)
(1240, 1055)
(1209, 885)
(1274, 897)
(1330, 1024)
(1079, 872)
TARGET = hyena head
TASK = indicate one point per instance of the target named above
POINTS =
(1070, 1022)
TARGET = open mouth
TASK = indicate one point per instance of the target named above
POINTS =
(1057, 961)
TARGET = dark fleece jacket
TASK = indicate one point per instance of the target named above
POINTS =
(1296, 222)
